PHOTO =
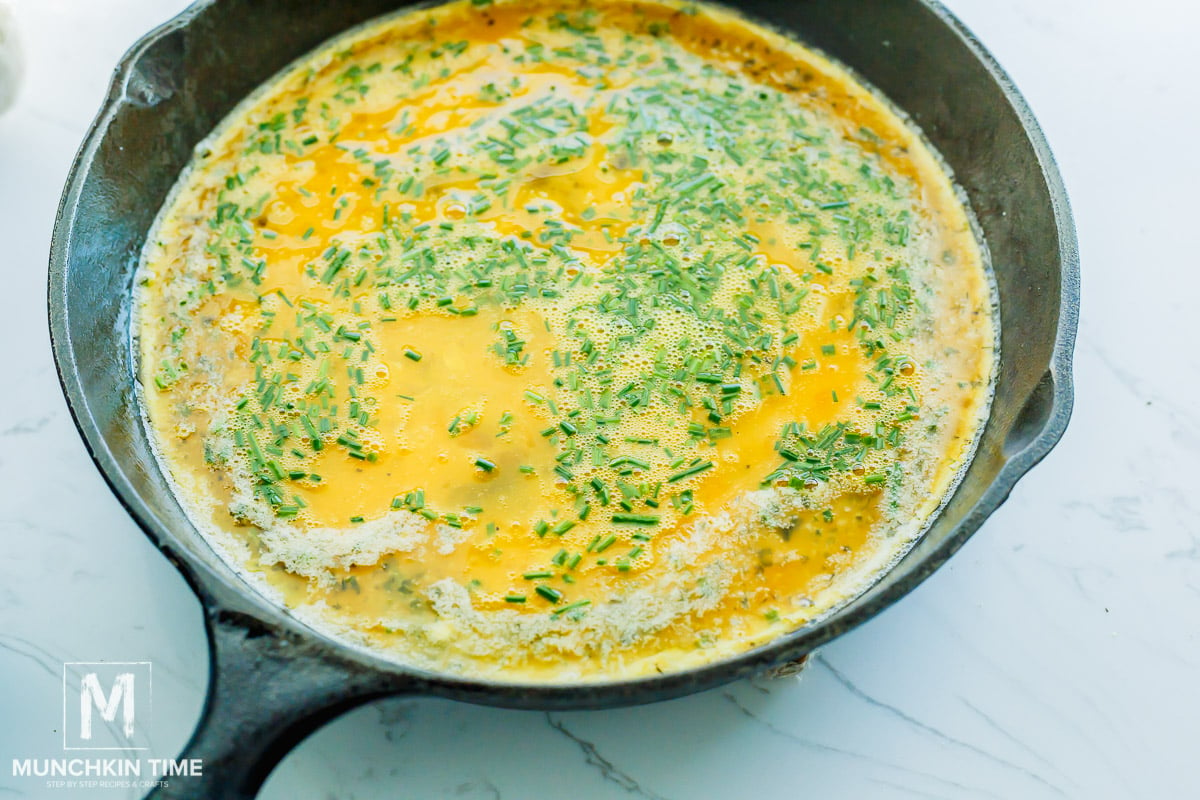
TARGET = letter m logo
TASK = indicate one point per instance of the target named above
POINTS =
(92, 696)
(113, 701)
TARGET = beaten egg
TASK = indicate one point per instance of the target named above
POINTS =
(568, 340)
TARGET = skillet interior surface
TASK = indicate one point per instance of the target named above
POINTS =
(177, 83)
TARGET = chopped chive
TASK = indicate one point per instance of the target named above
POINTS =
(550, 593)
(635, 519)
(570, 606)
(690, 471)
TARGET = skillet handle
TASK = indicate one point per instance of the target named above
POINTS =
(1041, 421)
(268, 689)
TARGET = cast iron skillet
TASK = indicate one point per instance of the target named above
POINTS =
(273, 679)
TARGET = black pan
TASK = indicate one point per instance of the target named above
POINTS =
(273, 679)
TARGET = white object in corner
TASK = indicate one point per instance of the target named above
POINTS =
(10, 58)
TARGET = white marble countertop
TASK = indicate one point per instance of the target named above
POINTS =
(1057, 654)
